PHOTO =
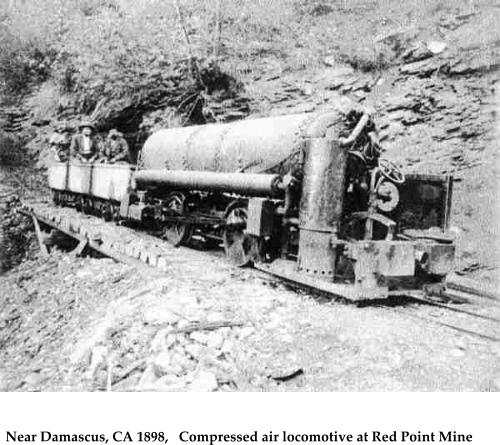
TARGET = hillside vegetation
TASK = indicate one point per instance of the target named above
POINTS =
(428, 68)
(119, 59)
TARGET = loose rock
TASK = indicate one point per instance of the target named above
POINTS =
(204, 382)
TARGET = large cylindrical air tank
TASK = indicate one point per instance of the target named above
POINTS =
(266, 145)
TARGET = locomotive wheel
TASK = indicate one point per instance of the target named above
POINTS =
(176, 233)
(241, 249)
(114, 212)
(87, 206)
(56, 197)
(107, 211)
(80, 203)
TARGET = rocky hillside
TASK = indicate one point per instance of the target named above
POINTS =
(428, 68)
(437, 109)
(86, 324)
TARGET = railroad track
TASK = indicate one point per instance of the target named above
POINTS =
(121, 243)
(492, 323)
(145, 250)
(411, 305)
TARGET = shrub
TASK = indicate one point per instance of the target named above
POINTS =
(12, 151)
(366, 56)
(128, 54)
(17, 239)
(315, 8)
(45, 101)
(23, 63)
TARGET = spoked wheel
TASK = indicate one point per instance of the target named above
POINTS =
(86, 206)
(56, 197)
(114, 210)
(176, 233)
(107, 211)
(79, 202)
(241, 249)
(391, 171)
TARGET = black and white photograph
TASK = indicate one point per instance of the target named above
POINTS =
(249, 196)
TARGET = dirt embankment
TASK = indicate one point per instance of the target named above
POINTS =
(80, 323)
(437, 111)
(91, 324)
(16, 231)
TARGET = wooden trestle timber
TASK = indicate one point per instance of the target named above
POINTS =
(120, 243)
(140, 249)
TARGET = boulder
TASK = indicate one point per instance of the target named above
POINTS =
(162, 340)
(473, 65)
(436, 47)
(495, 384)
(148, 378)
(181, 364)
(200, 337)
(421, 68)
(194, 350)
(399, 102)
(97, 359)
(418, 52)
(35, 379)
(171, 383)
(330, 61)
(162, 362)
(4, 386)
(246, 331)
(215, 340)
(159, 315)
(205, 381)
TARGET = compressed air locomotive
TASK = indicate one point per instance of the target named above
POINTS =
(306, 197)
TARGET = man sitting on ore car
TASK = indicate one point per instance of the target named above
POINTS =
(60, 142)
(115, 148)
(84, 146)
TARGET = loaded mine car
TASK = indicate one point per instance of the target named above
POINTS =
(306, 197)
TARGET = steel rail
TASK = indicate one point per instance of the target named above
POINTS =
(440, 323)
(412, 296)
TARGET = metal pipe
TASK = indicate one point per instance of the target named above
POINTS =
(323, 186)
(240, 183)
(356, 132)
(321, 206)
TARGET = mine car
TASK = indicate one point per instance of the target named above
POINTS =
(306, 197)
(93, 188)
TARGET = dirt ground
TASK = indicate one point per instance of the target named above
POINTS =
(92, 324)
(70, 323)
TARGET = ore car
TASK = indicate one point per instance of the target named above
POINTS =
(306, 197)
(92, 188)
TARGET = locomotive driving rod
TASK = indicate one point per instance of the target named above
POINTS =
(240, 183)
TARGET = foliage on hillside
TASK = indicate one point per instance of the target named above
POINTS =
(183, 61)
(111, 59)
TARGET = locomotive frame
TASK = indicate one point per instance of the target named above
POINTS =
(331, 215)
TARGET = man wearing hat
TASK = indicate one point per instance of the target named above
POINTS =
(84, 146)
(60, 142)
(116, 148)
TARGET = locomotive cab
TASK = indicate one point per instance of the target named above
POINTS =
(369, 226)
(363, 230)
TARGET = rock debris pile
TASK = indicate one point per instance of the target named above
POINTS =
(93, 324)
(438, 105)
